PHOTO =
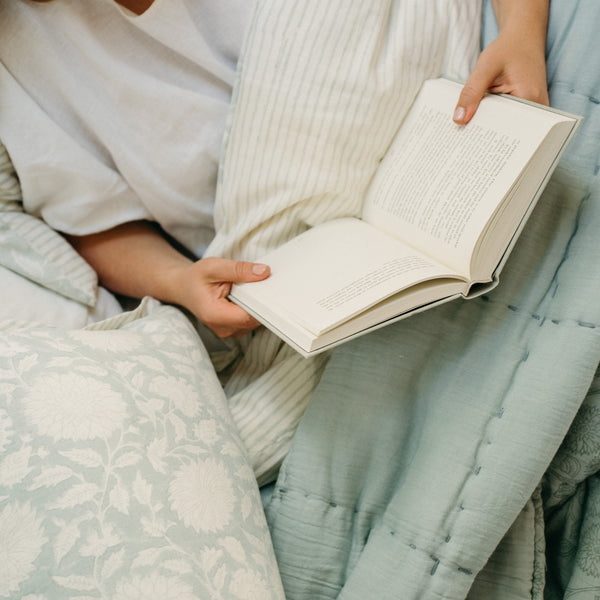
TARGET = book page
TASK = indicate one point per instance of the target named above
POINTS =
(440, 183)
(333, 272)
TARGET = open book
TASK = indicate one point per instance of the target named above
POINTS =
(440, 217)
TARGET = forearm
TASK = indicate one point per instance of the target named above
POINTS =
(134, 259)
(528, 17)
(513, 63)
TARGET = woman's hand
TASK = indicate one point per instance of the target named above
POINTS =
(204, 287)
(514, 63)
(135, 259)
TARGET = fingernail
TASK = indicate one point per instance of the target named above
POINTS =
(258, 269)
(459, 113)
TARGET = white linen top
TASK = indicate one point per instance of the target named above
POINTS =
(111, 117)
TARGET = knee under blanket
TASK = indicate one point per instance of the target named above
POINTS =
(424, 441)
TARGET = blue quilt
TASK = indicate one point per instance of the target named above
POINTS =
(424, 466)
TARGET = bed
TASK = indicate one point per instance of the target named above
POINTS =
(132, 446)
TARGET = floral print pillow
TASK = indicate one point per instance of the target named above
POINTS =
(121, 474)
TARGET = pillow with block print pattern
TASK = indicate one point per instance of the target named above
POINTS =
(121, 473)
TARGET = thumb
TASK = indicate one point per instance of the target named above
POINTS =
(471, 95)
(235, 271)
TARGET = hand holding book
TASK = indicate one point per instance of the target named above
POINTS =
(514, 62)
(439, 219)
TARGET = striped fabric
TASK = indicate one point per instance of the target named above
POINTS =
(33, 250)
(10, 190)
(323, 87)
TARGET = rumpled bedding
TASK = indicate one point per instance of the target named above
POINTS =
(429, 462)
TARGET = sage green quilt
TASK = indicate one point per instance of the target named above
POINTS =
(430, 462)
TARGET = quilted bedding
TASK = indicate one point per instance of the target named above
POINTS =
(430, 462)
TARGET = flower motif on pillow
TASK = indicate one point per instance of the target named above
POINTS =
(154, 587)
(22, 535)
(6, 430)
(201, 493)
(74, 406)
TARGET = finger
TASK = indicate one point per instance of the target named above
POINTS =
(472, 92)
(235, 271)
